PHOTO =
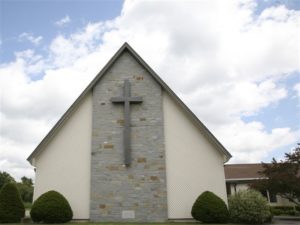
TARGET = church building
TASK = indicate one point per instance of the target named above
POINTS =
(128, 149)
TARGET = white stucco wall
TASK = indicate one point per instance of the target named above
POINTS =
(64, 165)
(193, 164)
(239, 187)
(281, 202)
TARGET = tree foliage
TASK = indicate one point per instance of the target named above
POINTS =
(11, 205)
(283, 177)
(27, 181)
(5, 178)
(25, 187)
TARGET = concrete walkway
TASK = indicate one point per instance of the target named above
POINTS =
(286, 222)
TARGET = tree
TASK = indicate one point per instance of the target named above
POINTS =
(283, 177)
(5, 178)
(27, 181)
(11, 205)
(26, 189)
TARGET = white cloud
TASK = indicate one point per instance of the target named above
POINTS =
(297, 89)
(250, 142)
(63, 21)
(233, 98)
(223, 61)
(12, 158)
(65, 50)
(31, 38)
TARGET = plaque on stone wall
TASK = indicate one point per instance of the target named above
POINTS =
(128, 214)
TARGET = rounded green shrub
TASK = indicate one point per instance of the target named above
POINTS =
(249, 206)
(11, 205)
(209, 208)
(51, 207)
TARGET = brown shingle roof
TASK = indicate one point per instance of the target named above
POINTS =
(243, 171)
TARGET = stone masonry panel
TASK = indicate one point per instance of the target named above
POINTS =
(136, 193)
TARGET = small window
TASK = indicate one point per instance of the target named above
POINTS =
(273, 197)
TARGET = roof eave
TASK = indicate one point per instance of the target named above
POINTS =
(244, 179)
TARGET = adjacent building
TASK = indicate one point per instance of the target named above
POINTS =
(241, 176)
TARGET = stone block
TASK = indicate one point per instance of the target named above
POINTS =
(141, 160)
(106, 146)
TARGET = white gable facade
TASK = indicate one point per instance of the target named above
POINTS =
(173, 157)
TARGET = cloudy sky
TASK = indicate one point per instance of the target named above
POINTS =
(236, 64)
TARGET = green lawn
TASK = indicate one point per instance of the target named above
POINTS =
(87, 223)
(171, 223)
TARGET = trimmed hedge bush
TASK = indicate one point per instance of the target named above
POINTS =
(51, 207)
(209, 208)
(249, 207)
(285, 210)
(11, 205)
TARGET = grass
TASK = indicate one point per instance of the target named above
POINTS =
(167, 223)
(170, 223)
(108, 223)
(125, 223)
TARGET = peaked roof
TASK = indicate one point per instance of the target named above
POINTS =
(243, 171)
(126, 47)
